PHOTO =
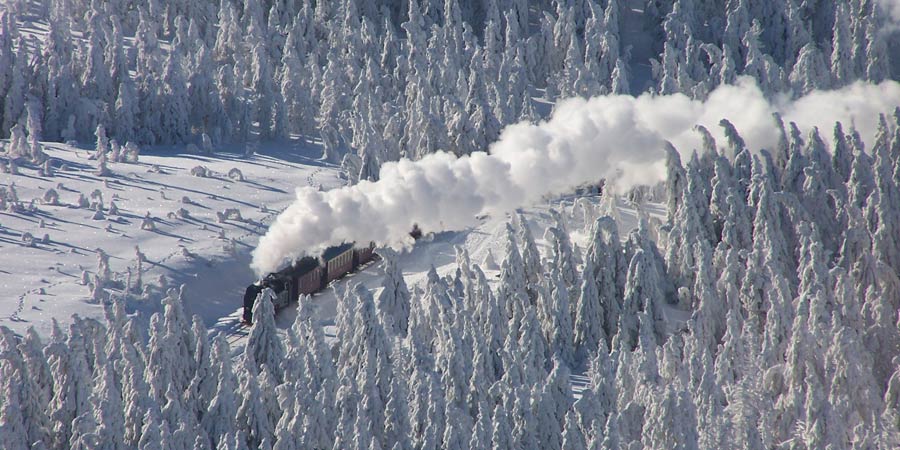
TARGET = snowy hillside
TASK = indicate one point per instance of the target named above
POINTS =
(83, 213)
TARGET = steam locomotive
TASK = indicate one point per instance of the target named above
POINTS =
(307, 275)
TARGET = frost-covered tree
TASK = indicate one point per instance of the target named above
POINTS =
(558, 322)
(264, 346)
(512, 297)
(106, 400)
(71, 377)
(218, 420)
(531, 258)
(394, 299)
(24, 409)
(589, 317)
(642, 295)
(253, 415)
(563, 257)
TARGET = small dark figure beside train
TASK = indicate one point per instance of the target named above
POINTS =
(307, 275)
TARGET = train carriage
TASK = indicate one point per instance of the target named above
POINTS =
(308, 275)
(338, 261)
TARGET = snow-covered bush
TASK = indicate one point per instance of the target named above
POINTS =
(103, 169)
(82, 201)
(182, 213)
(236, 174)
(50, 197)
(131, 152)
(201, 171)
(115, 151)
(147, 223)
(103, 271)
(230, 214)
(18, 145)
(96, 199)
(102, 144)
(47, 169)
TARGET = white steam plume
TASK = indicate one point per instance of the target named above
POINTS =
(618, 137)
(892, 8)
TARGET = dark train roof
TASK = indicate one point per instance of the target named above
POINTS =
(332, 252)
(300, 267)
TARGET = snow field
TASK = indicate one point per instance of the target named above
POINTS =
(189, 243)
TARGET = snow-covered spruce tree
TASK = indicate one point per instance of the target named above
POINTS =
(32, 349)
(557, 321)
(531, 258)
(610, 266)
(161, 362)
(563, 258)
(21, 410)
(675, 182)
(264, 346)
(223, 408)
(688, 227)
(512, 296)
(202, 386)
(8, 26)
(14, 100)
(107, 404)
(135, 390)
(642, 294)
(173, 109)
(71, 375)
(394, 299)
(375, 374)
(253, 416)
(589, 318)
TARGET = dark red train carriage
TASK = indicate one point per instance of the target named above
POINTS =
(308, 275)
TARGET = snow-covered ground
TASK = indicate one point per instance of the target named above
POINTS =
(43, 281)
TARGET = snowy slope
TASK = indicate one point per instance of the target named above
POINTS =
(44, 281)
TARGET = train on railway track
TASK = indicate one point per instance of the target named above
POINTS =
(307, 276)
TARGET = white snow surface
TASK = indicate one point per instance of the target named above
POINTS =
(42, 282)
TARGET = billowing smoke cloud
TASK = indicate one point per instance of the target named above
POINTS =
(614, 137)
(892, 8)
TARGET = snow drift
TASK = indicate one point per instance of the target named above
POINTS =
(620, 138)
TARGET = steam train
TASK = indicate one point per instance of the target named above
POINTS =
(307, 275)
